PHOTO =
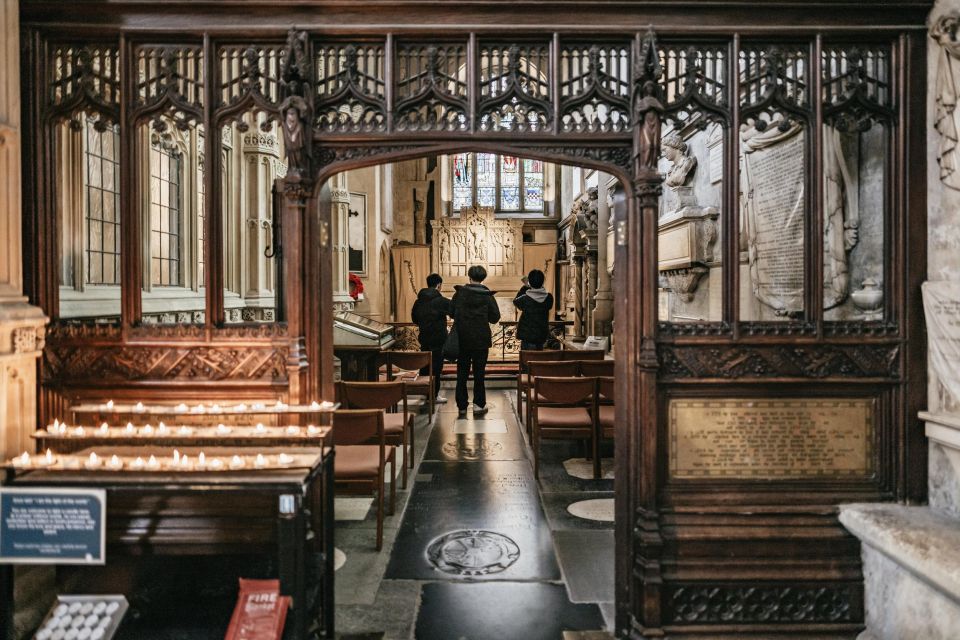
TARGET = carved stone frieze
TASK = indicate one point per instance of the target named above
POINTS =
(776, 361)
(729, 604)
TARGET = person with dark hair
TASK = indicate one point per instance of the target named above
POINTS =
(474, 310)
(534, 303)
(430, 313)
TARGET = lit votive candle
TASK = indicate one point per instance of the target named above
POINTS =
(180, 408)
(184, 430)
(93, 461)
(115, 462)
(137, 464)
(258, 405)
(260, 428)
(110, 404)
(285, 459)
(216, 464)
(148, 430)
(313, 429)
(45, 460)
(153, 464)
(222, 429)
(281, 405)
(184, 461)
(55, 427)
(139, 408)
(104, 429)
(199, 409)
(215, 408)
(293, 431)
(236, 462)
(326, 404)
(79, 432)
(162, 429)
(201, 460)
(130, 429)
(259, 463)
(176, 457)
(240, 407)
(23, 460)
(314, 405)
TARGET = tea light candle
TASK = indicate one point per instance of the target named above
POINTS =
(184, 430)
(79, 432)
(93, 462)
(201, 460)
(176, 457)
(314, 405)
(148, 430)
(215, 409)
(184, 461)
(240, 407)
(260, 428)
(326, 404)
(180, 408)
(284, 459)
(259, 463)
(23, 460)
(104, 429)
(130, 429)
(281, 405)
(139, 408)
(293, 431)
(153, 464)
(46, 460)
(222, 429)
(110, 404)
(116, 463)
(313, 429)
(236, 462)
(55, 427)
(216, 464)
(137, 464)
(199, 409)
(258, 405)
(162, 429)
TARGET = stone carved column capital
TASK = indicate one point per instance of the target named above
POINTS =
(340, 196)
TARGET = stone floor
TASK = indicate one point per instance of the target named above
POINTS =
(477, 548)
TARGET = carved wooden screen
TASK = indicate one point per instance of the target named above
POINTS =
(698, 554)
(477, 237)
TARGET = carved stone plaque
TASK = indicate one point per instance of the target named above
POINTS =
(771, 438)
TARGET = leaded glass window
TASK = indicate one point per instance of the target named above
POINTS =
(102, 182)
(165, 208)
(506, 183)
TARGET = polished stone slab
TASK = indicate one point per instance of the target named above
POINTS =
(446, 444)
(499, 497)
(587, 560)
(501, 611)
(557, 509)
(492, 425)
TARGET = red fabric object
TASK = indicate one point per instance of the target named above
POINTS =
(356, 286)
(260, 612)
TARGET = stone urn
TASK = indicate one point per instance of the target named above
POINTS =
(869, 297)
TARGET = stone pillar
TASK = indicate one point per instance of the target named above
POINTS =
(261, 157)
(340, 213)
(576, 277)
(603, 302)
(21, 324)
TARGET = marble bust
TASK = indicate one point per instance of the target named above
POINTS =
(683, 165)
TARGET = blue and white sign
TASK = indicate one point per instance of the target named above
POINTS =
(52, 525)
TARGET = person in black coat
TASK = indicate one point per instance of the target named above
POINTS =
(430, 313)
(474, 310)
(535, 304)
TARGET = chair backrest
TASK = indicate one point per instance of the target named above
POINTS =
(530, 355)
(605, 387)
(565, 391)
(372, 395)
(596, 368)
(357, 426)
(408, 360)
(555, 368)
(584, 354)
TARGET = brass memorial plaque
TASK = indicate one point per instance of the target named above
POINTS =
(775, 439)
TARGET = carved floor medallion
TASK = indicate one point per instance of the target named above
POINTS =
(471, 552)
(471, 449)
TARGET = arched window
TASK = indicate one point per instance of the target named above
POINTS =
(506, 183)
(102, 185)
(165, 212)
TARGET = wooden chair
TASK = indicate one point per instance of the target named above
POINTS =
(553, 368)
(387, 396)
(360, 467)
(596, 368)
(411, 362)
(523, 375)
(563, 408)
(606, 416)
(586, 354)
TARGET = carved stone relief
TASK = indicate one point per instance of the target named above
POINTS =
(477, 237)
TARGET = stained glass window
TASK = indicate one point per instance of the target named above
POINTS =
(103, 204)
(506, 183)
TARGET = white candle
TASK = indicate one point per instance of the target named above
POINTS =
(78, 431)
(215, 408)
(137, 464)
(62, 428)
(46, 460)
(313, 429)
(260, 462)
(314, 405)
(129, 428)
(116, 462)
(240, 407)
(185, 430)
(185, 461)
(176, 456)
(199, 408)
(236, 462)
(216, 463)
(93, 462)
(23, 460)
(281, 405)
(110, 404)
(223, 429)
(162, 429)
(258, 405)
(326, 404)
(180, 408)
(153, 464)
(284, 459)
(139, 408)
(104, 429)
(260, 428)
(201, 460)
(56, 424)
(148, 430)
(293, 431)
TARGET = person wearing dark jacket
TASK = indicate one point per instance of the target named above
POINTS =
(474, 310)
(430, 313)
(534, 303)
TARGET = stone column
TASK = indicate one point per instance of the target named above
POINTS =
(21, 324)
(261, 156)
(603, 302)
(340, 196)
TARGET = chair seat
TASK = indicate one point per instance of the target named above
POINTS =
(564, 418)
(394, 423)
(358, 461)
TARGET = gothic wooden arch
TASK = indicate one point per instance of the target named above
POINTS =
(339, 80)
